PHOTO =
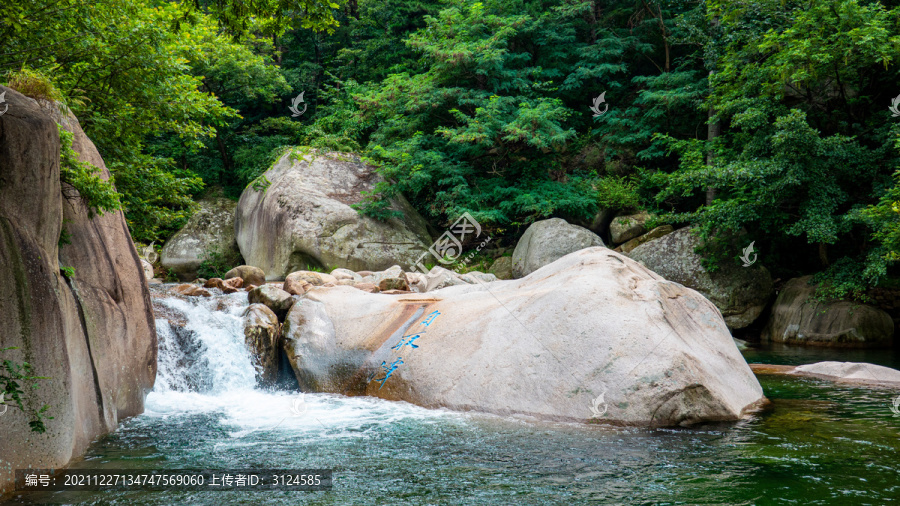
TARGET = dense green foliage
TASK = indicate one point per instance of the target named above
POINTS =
(765, 121)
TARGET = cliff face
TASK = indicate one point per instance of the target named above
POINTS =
(93, 335)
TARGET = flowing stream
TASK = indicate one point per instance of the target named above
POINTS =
(818, 443)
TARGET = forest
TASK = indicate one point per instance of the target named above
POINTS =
(767, 121)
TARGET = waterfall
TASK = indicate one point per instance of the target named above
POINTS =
(204, 367)
(201, 345)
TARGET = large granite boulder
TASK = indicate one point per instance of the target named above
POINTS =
(740, 293)
(261, 334)
(92, 333)
(592, 336)
(546, 241)
(209, 231)
(799, 318)
(297, 215)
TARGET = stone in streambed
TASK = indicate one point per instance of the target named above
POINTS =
(276, 299)
(189, 290)
(249, 274)
(574, 336)
(261, 334)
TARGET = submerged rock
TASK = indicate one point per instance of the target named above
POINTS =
(861, 373)
(592, 336)
(799, 318)
(546, 241)
(298, 215)
(740, 293)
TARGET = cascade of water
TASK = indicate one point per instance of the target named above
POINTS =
(201, 345)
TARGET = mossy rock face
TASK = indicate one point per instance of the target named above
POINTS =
(799, 318)
(210, 229)
(625, 228)
(740, 293)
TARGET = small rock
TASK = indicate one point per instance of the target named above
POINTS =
(250, 275)
(625, 228)
(439, 277)
(394, 272)
(234, 282)
(213, 283)
(296, 285)
(345, 274)
(313, 278)
(365, 273)
(189, 290)
(148, 269)
(477, 278)
(417, 281)
(366, 287)
(502, 268)
(276, 299)
(393, 283)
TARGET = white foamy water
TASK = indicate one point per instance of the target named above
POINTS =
(205, 367)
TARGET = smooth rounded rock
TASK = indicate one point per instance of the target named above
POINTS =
(546, 241)
(593, 336)
(249, 274)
